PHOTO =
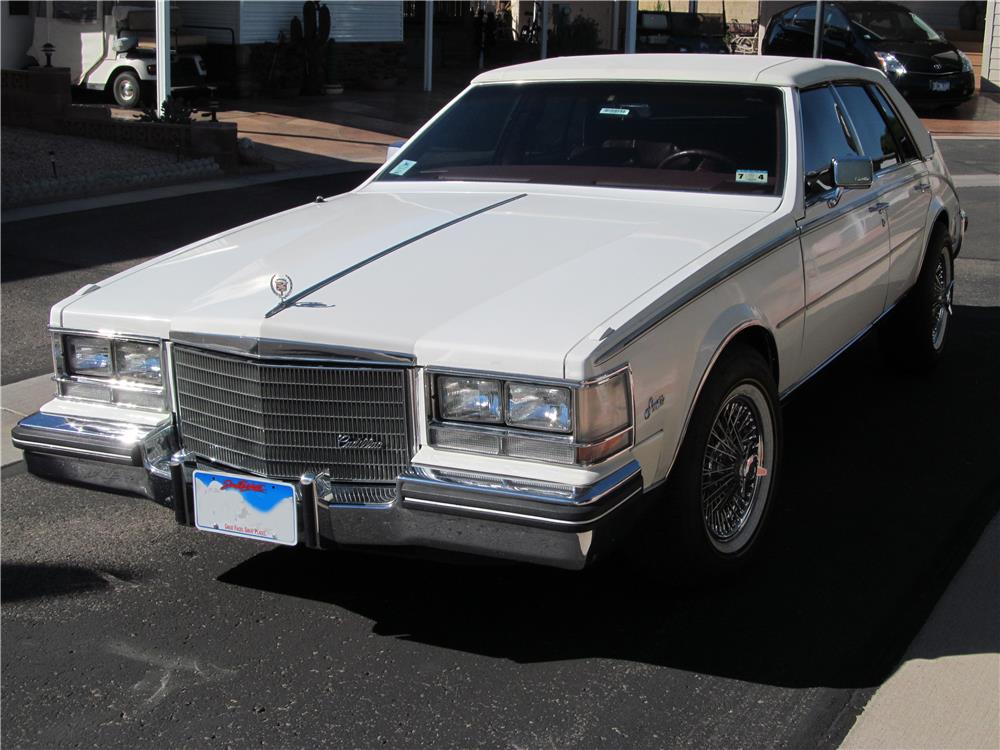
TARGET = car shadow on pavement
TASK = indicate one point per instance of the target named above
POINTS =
(888, 482)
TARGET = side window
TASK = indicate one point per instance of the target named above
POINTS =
(825, 136)
(835, 25)
(907, 150)
(872, 129)
(805, 18)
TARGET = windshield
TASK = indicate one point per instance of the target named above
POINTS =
(889, 24)
(662, 136)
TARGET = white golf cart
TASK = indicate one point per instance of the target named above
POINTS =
(111, 46)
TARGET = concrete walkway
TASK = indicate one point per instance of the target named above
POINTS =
(355, 126)
(17, 401)
(978, 116)
(946, 693)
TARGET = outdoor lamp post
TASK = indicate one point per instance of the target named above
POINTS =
(48, 48)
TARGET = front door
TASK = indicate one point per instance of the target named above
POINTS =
(845, 237)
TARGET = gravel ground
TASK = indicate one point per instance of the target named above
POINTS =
(25, 157)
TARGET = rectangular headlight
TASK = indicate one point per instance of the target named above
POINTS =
(466, 399)
(88, 356)
(124, 371)
(138, 361)
(539, 407)
(568, 424)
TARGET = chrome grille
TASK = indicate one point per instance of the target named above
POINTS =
(281, 420)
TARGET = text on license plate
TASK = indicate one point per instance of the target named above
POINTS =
(248, 507)
(940, 85)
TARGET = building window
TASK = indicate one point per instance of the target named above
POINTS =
(85, 12)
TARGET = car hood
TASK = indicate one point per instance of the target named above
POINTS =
(459, 280)
(921, 57)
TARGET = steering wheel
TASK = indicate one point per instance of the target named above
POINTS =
(698, 156)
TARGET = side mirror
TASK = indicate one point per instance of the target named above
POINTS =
(392, 149)
(852, 172)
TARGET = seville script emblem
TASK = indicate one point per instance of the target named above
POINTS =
(281, 285)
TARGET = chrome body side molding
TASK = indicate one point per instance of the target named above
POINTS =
(822, 365)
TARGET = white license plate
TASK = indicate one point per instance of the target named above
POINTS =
(940, 85)
(248, 507)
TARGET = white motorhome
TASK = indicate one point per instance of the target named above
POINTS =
(111, 46)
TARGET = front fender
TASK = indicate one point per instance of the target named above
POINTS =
(671, 360)
(717, 336)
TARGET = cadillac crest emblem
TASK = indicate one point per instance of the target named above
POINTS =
(281, 285)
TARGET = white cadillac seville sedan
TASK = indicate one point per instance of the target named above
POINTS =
(574, 299)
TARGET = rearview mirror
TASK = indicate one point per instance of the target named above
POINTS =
(392, 149)
(852, 172)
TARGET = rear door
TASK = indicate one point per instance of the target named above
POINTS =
(845, 236)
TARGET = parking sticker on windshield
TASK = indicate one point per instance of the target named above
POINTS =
(753, 176)
(402, 168)
(619, 111)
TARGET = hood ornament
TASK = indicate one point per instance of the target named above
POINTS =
(281, 285)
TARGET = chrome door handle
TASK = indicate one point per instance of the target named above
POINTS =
(922, 187)
(878, 208)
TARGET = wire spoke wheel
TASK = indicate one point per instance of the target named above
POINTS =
(942, 287)
(736, 467)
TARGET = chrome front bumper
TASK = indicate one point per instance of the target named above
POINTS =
(480, 514)
(108, 455)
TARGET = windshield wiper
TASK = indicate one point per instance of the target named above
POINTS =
(644, 186)
(446, 178)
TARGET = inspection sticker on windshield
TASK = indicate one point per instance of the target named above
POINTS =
(619, 111)
(753, 176)
(402, 168)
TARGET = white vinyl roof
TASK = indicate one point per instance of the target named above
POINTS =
(774, 71)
